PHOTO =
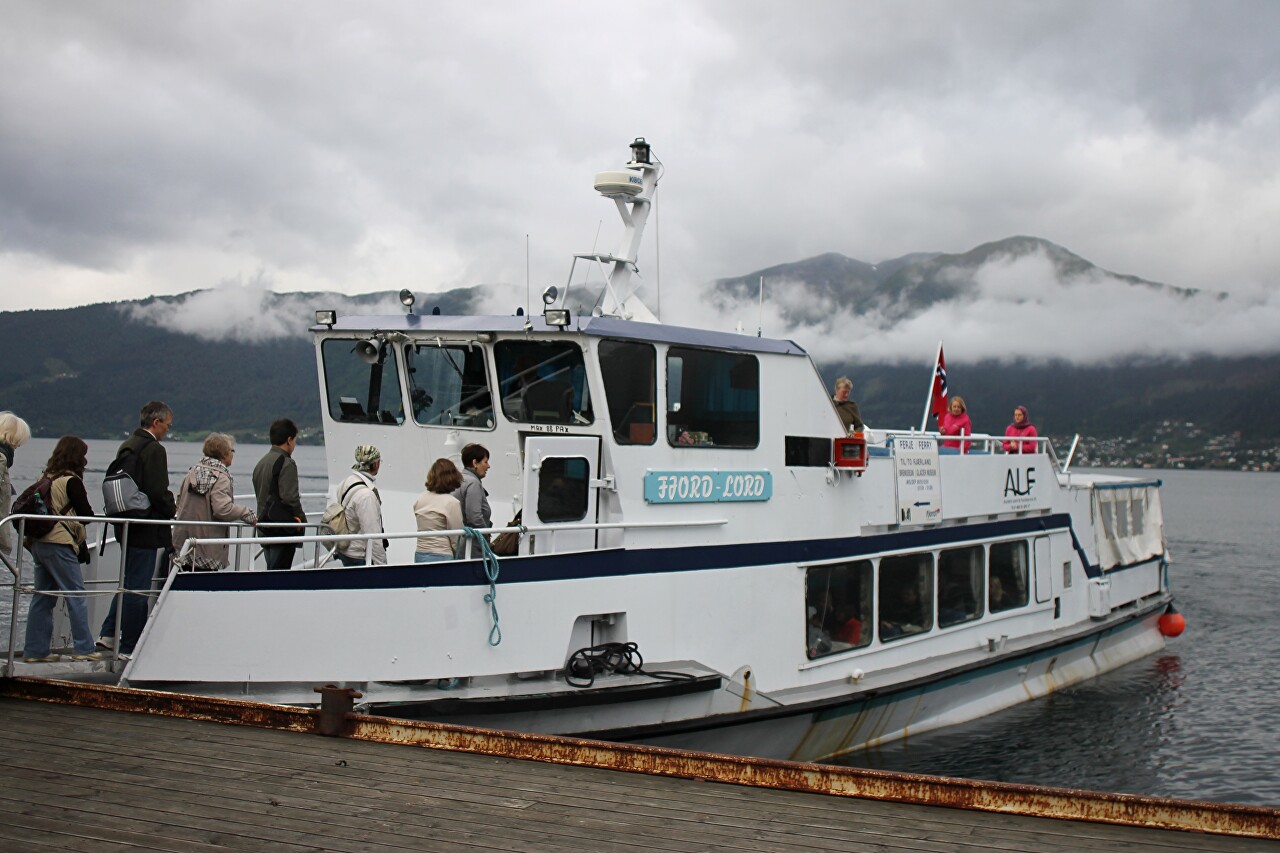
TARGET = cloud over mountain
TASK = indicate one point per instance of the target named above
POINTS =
(1021, 299)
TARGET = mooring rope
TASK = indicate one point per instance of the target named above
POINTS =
(490, 561)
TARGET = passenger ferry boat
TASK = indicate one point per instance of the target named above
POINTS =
(708, 560)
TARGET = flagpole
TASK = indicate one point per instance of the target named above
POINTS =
(933, 379)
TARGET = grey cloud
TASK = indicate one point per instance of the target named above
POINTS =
(1024, 311)
(159, 150)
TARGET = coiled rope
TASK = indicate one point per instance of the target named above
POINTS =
(585, 664)
(490, 562)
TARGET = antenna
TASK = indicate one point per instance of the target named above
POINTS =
(657, 258)
(526, 275)
(760, 316)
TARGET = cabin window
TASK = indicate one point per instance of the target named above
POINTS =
(837, 608)
(543, 382)
(630, 372)
(562, 489)
(806, 452)
(960, 580)
(1007, 587)
(361, 383)
(448, 385)
(713, 399)
(906, 595)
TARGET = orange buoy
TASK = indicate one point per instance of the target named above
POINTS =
(1172, 624)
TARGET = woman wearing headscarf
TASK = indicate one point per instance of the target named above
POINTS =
(14, 433)
(207, 494)
(1020, 428)
(364, 510)
(955, 421)
(57, 564)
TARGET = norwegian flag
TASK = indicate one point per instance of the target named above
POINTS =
(938, 403)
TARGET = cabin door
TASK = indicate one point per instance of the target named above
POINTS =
(561, 480)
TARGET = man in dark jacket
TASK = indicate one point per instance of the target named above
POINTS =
(275, 477)
(146, 542)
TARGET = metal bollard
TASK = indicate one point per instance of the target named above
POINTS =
(335, 703)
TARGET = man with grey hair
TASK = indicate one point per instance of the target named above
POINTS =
(146, 542)
(846, 408)
(364, 511)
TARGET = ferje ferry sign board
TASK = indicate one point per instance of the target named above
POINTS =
(670, 487)
(915, 464)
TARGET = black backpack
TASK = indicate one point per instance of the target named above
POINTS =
(37, 499)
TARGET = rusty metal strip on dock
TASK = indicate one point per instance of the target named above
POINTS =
(1000, 797)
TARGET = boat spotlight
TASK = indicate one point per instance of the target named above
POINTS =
(406, 299)
(370, 350)
(640, 151)
(326, 317)
(551, 294)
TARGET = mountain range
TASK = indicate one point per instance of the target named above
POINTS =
(233, 361)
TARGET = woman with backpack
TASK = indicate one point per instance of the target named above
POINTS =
(206, 494)
(57, 561)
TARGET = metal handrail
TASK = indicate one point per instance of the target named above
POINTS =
(19, 522)
(990, 443)
(416, 534)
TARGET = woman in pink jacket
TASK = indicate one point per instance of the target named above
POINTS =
(955, 421)
(1020, 428)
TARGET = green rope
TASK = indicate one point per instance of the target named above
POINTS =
(490, 561)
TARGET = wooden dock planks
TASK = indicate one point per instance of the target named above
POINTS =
(75, 778)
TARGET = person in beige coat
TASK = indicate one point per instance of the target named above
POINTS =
(206, 494)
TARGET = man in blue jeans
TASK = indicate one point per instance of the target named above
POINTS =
(145, 542)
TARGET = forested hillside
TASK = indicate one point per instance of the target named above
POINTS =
(88, 370)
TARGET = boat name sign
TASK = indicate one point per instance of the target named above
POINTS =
(915, 461)
(668, 487)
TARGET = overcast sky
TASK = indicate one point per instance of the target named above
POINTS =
(154, 148)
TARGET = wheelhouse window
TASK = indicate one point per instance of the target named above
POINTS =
(713, 398)
(562, 489)
(448, 385)
(630, 389)
(906, 595)
(361, 381)
(960, 581)
(837, 608)
(1007, 587)
(543, 382)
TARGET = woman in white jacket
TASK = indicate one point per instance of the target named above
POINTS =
(364, 511)
(14, 432)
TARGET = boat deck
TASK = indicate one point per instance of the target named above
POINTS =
(80, 778)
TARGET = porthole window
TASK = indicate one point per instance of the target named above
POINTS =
(562, 489)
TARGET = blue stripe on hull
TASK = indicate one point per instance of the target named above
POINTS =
(613, 563)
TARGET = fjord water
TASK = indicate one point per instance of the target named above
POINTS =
(1198, 721)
